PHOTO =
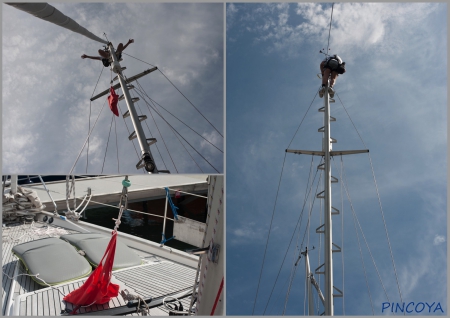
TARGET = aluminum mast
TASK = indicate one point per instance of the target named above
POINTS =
(147, 160)
(327, 267)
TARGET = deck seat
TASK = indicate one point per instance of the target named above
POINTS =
(94, 245)
(54, 260)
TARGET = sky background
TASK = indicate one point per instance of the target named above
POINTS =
(47, 87)
(395, 92)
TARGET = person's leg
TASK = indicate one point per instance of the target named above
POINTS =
(103, 54)
(334, 75)
(326, 75)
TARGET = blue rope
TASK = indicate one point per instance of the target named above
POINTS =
(174, 208)
(164, 240)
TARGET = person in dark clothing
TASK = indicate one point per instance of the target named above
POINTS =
(104, 55)
(330, 68)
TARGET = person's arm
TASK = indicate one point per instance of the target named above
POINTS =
(129, 41)
(91, 57)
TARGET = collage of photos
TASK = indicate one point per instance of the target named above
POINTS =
(224, 159)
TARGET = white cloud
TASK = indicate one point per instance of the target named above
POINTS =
(357, 28)
(438, 239)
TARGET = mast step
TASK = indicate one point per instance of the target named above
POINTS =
(318, 230)
(134, 99)
(332, 118)
(116, 78)
(126, 114)
(142, 117)
(322, 109)
(132, 136)
(130, 86)
(332, 100)
(334, 211)
(333, 141)
(334, 179)
(321, 195)
(338, 248)
(151, 141)
(317, 269)
(124, 68)
(339, 291)
(321, 129)
(321, 166)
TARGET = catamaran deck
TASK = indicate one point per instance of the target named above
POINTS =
(156, 278)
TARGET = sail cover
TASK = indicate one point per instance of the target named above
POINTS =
(51, 14)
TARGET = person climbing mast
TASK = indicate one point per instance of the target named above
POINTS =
(104, 54)
(330, 67)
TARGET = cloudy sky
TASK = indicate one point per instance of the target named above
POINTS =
(395, 92)
(47, 87)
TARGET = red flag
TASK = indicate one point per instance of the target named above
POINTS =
(98, 288)
(113, 99)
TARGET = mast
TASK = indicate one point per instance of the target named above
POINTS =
(326, 148)
(327, 228)
(147, 160)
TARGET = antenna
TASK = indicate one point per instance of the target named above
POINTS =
(324, 53)
(105, 36)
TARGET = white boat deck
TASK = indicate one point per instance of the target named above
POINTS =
(157, 277)
(151, 280)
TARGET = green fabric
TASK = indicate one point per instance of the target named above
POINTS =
(94, 245)
(54, 260)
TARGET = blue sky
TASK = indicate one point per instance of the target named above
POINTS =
(47, 86)
(395, 91)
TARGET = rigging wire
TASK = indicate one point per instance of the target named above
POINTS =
(154, 102)
(132, 141)
(156, 144)
(379, 202)
(364, 267)
(342, 239)
(276, 199)
(268, 236)
(107, 143)
(301, 122)
(285, 286)
(135, 149)
(348, 115)
(179, 92)
(84, 145)
(148, 105)
(151, 135)
(298, 225)
(294, 266)
(176, 135)
(162, 138)
(117, 146)
(319, 252)
(90, 110)
(385, 228)
(343, 177)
